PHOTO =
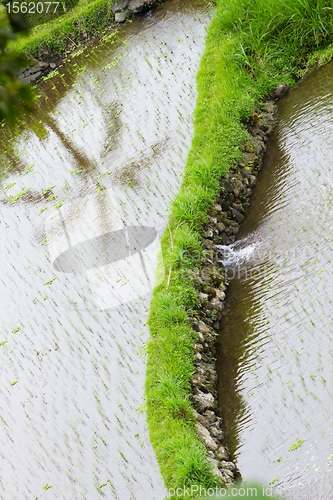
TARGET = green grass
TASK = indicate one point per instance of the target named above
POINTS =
(296, 445)
(251, 47)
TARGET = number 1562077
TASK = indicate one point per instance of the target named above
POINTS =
(32, 7)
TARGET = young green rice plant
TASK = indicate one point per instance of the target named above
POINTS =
(190, 465)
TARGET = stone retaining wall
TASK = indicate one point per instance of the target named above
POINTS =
(211, 282)
(40, 67)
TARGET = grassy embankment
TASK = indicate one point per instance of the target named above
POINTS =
(251, 46)
(85, 20)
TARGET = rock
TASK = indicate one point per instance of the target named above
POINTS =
(222, 453)
(252, 180)
(212, 374)
(53, 65)
(258, 144)
(199, 381)
(208, 234)
(207, 244)
(281, 90)
(246, 171)
(228, 472)
(227, 465)
(269, 130)
(238, 216)
(224, 238)
(209, 338)
(203, 297)
(198, 347)
(249, 158)
(118, 7)
(26, 79)
(270, 106)
(204, 436)
(248, 148)
(218, 208)
(227, 186)
(200, 370)
(268, 118)
(36, 68)
(203, 402)
(121, 17)
(239, 185)
(32, 59)
(220, 294)
(210, 416)
(220, 226)
(198, 356)
(215, 305)
(216, 431)
(200, 418)
(136, 6)
(201, 338)
(215, 469)
(35, 76)
(203, 328)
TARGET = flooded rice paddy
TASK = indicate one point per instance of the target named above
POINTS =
(85, 188)
(275, 352)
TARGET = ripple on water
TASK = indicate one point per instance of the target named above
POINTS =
(115, 124)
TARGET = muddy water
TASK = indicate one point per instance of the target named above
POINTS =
(85, 188)
(275, 345)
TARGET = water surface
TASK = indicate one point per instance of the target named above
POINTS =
(275, 349)
(104, 152)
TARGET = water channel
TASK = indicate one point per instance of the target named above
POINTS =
(275, 356)
(100, 160)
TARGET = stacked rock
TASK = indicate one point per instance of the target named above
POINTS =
(211, 280)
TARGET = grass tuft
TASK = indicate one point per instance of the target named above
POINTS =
(189, 462)
(191, 206)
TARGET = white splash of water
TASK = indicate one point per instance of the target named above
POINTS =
(231, 255)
